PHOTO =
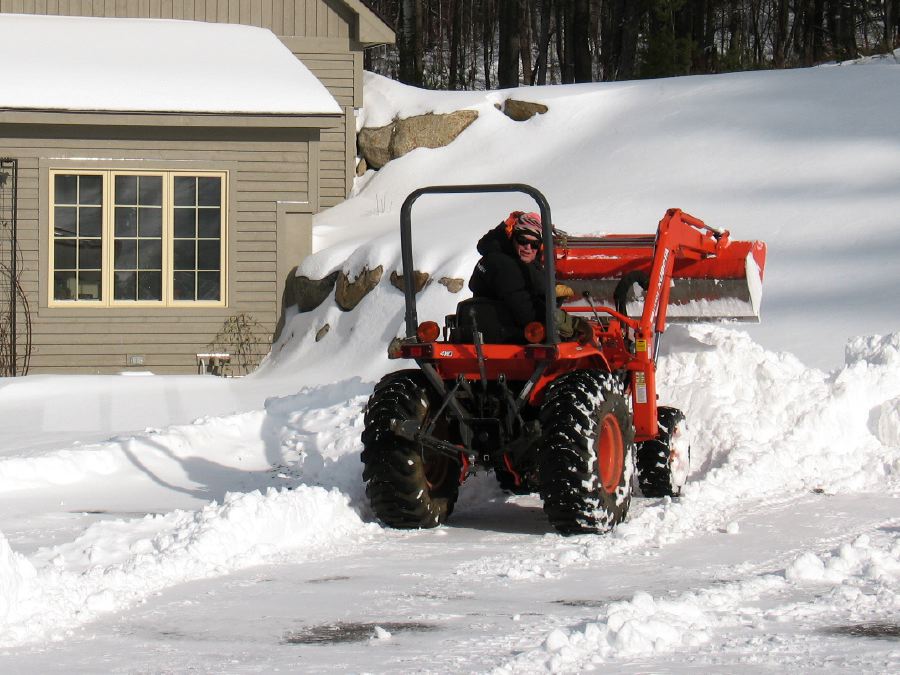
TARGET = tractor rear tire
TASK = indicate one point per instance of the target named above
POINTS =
(586, 452)
(408, 486)
(663, 464)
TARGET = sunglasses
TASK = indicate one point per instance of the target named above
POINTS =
(522, 240)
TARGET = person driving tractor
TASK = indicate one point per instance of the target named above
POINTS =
(510, 273)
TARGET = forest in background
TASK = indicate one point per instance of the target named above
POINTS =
(488, 44)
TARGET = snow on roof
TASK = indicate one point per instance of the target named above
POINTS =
(152, 65)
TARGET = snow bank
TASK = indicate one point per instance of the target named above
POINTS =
(114, 564)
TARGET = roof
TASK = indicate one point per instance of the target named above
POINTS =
(152, 65)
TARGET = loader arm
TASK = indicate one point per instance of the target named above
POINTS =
(680, 236)
(714, 279)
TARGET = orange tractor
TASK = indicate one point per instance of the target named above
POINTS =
(576, 421)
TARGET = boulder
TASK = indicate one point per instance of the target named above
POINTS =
(379, 145)
(522, 110)
(322, 332)
(374, 145)
(308, 293)
(429, 131)
(421, 278)
(453, 284)
(348, 293)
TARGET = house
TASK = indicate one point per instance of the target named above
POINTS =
(167, 171)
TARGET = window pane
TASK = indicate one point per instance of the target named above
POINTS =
(149, 254)
(64, 221)
(151, 191)
(149, 285)
(207, 285)
(209, 191)
(208, 254)
(65, 189)
(183, 288)
(90, 222)
(126, 254)
(64, 285)
(91, 190)
(64, 254)
(184, 255)
(150, 222)
(126, 190)
(89, 254)
(185, 191)
(89, 285)
(208, 223)
(126, 221)
(185, 223)
(126, 286)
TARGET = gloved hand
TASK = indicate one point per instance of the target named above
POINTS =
(584, 331)
(574, 327)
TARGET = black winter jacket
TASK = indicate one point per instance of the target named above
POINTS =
(501, 275)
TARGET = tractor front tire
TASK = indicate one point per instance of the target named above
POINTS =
(663, 464)
(586, 452)
(408, 486)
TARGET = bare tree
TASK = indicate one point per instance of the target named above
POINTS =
(410, 43)
(508, 44)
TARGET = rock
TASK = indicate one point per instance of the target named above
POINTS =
(348, 293)
(429, 131)
(522, 110)
(421, 278)
(322, 332)
(374, 145)
(453, 284)
(379, 145)
(362, 167)
(308, 293)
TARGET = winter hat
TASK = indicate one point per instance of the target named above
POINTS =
(526, 223)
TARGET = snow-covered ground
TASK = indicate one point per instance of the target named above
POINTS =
(194, 523)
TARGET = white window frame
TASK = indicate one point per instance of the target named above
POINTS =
(108, 237)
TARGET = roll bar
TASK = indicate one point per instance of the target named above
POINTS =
(409, 290)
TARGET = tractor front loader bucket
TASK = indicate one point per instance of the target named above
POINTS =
(724, 285)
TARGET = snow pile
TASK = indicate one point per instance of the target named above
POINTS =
(762, 425)
(862, 574)
(116, 563)
(813, 175)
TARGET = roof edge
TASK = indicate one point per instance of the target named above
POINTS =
(373, 29)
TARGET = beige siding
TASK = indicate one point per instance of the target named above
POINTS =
(338, 146)
(308, 18)
(265, 166)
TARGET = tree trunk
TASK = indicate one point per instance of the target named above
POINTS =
(508, 54)
(580, 39)
(544, 44)
(780, 39)
(525, 38)
(410, 42)
(455, 79)
(890, 23)
(487, 41)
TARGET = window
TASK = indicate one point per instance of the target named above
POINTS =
(121, 239)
